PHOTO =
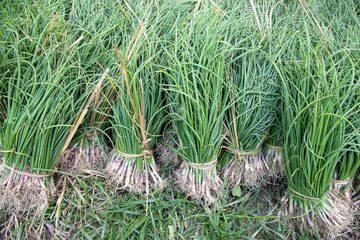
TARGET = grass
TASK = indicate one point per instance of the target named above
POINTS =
(93, 209)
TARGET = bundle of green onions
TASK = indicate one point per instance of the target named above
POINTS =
(315, 122)
(45, 103)
(43, 112)
(346, 35)
(197, 92)
(98, 25)
(91, 151)
(177, 13)
(137, 114)
(110, 22)
(249, 119)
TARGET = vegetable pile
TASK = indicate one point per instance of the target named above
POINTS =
(229, 95)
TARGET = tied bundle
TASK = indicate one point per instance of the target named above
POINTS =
(138, 112)
(89, 150)
(43, 112)
(318, 97)
(249, 119)
(197, 94)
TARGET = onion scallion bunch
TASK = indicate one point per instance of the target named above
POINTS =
(249, 119)
(315, 122)
(44, 109)
(137, 114)
(197, 94)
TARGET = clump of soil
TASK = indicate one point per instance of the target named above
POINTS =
(67, 160)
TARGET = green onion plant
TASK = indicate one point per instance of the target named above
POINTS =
(315, 122)
(197, 93)
(43, 111)
(45, 102)
(99, 25)
(137, 114)
(249, 118)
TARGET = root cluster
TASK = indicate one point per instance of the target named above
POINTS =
(339, 188)
(255, 169)
(204, 186)
(82, 158)
(333, 216)
(90, 157)
(23, 194)
(250, 170)
(274, 160)
(126, 173)
(233, 173)
(165, 155)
